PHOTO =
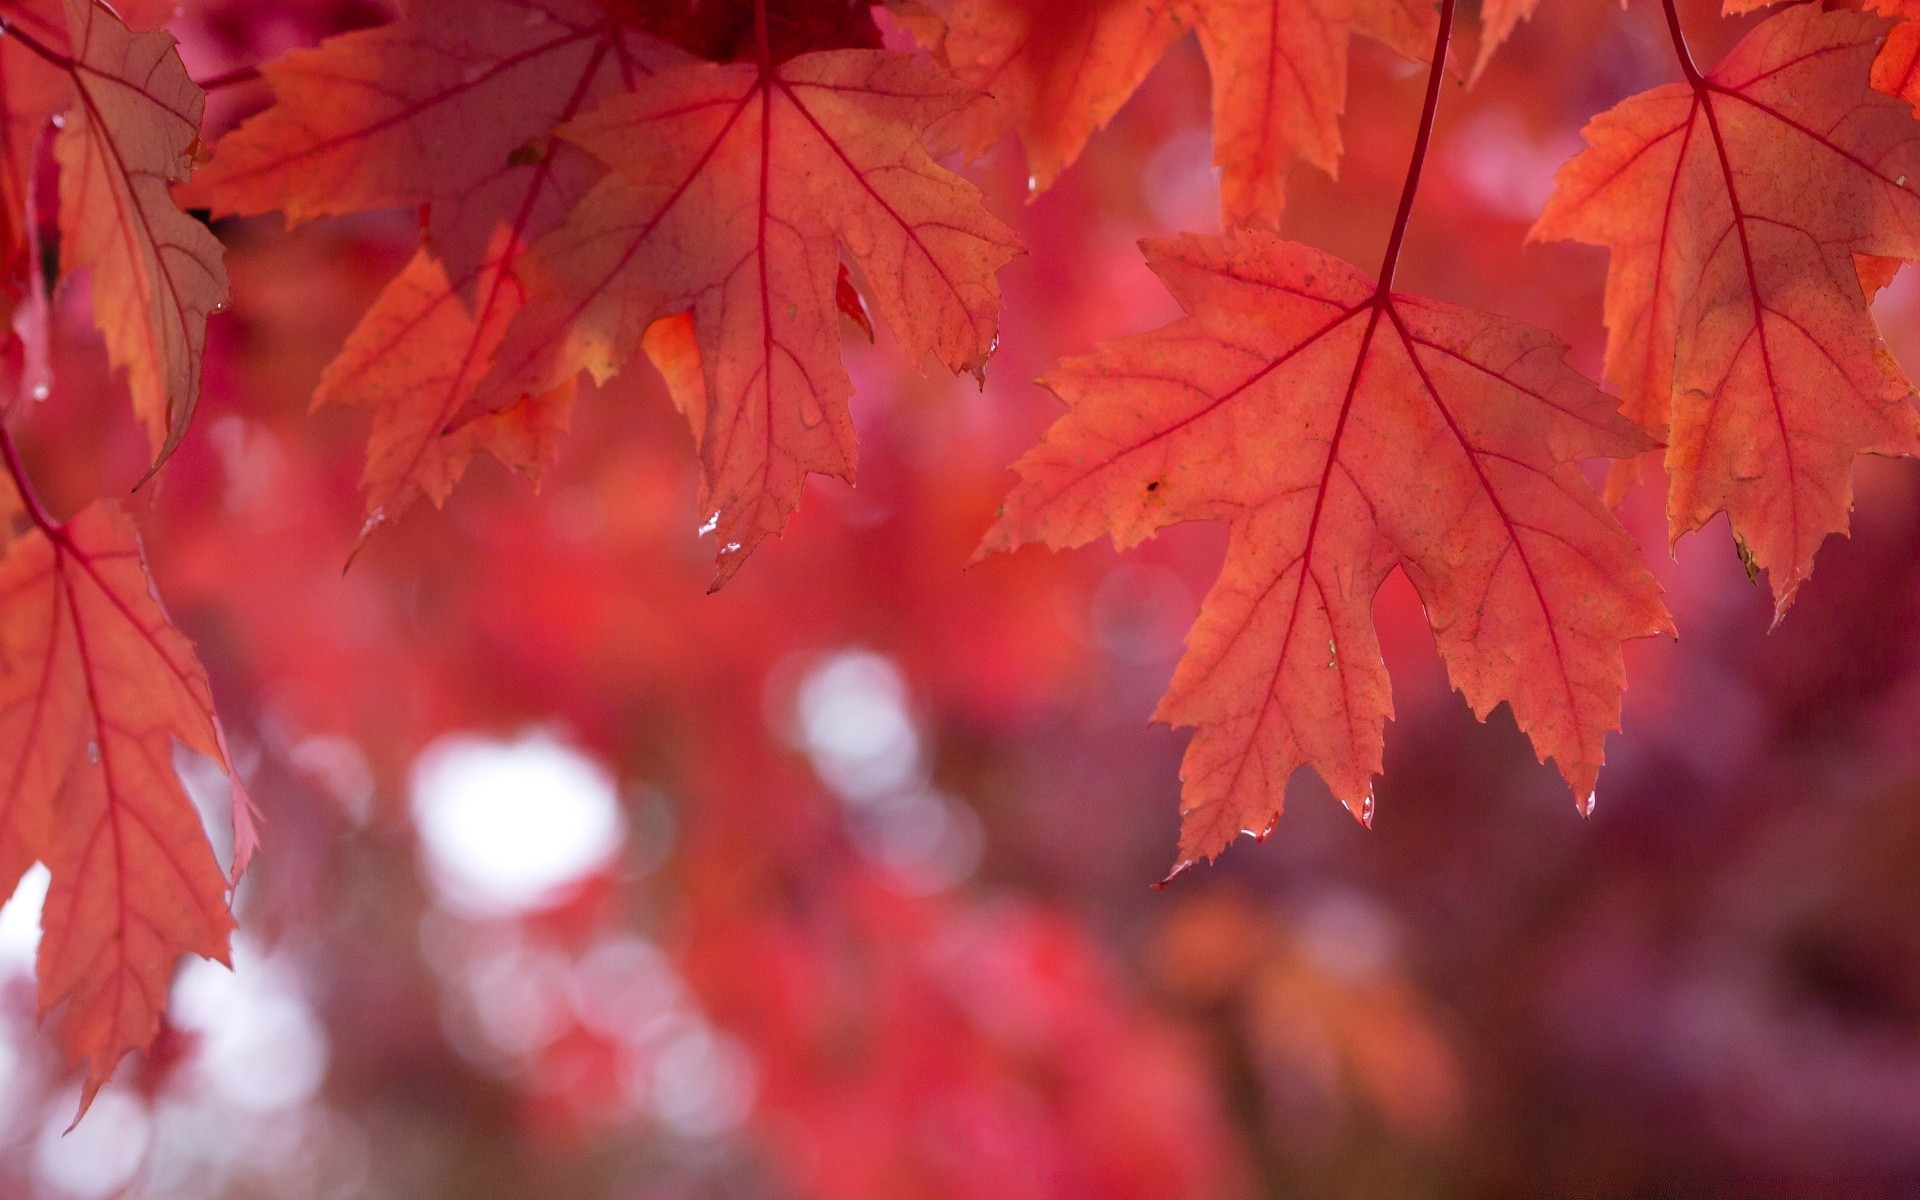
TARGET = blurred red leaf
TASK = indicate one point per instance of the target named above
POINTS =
(32, 89)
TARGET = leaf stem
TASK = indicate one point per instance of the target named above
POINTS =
(762, 42)
(1420, 143)
(36, 511)
(54, 57)
(1680, 45)
(229, 78)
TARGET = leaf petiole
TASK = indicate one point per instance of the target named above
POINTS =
(1685, 55)
(1429, 107)
(53, 57)
(29, 499)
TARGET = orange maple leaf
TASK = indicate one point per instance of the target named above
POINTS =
(1736, 204)
(1896, 69)
(1498, 19)
(414, 361)
(96, 688)
(157, 273)
(1279, 75)
(1343, 430)
(734, 189)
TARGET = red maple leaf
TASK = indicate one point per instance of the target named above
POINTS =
(1343, 430)
(132, 125)
(1498, 19)
(538, 81)
(1737, 204)
(1279, 75)
(414, 361)
(96, 690)
(735, 190)
(450, 108)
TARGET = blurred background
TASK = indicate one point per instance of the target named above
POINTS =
(579, 882)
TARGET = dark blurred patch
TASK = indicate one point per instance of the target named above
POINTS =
(723, 30)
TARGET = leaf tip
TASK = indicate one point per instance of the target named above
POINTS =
(376, 517)
(1179, 868)
(993, 543)
(731, 558)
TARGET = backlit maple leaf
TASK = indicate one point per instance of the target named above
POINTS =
(96, 689)
(1735, 205)
(414, 361)
(1279, 75)
(1498, 19)
(450, 107)
(157, 273)
(735, 189)
(1896, 68)
(425, 110)
(1343, 431)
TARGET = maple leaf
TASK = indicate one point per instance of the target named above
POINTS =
(1498, 19)
(1896, 69)
(1279, 75)
(450, 107)
(455, 98)
(157, 273)
(414, 361)
(734, 189)
(1736, 204)
(1344, 430)
(96, 688)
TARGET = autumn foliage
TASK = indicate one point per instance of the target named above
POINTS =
(684, 257)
